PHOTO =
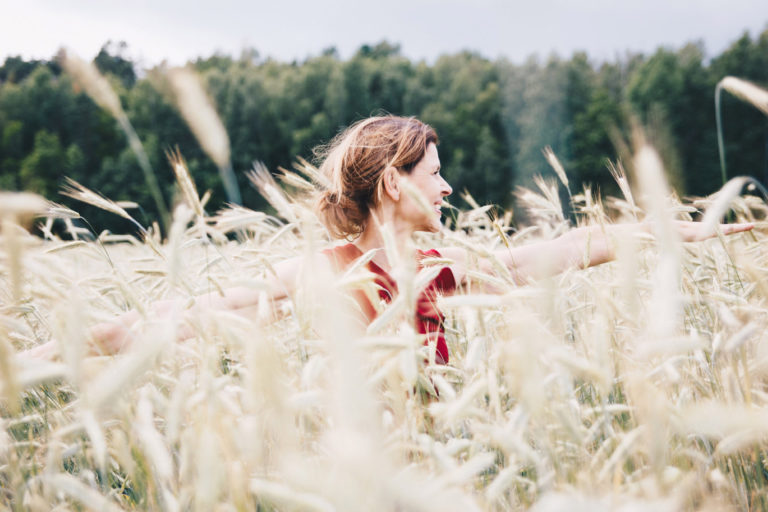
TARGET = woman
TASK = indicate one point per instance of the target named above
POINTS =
(384, 174)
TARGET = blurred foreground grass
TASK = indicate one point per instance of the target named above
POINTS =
(603, 389)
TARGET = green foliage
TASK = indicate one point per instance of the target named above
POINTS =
(111, 60)
(744, 128)
(41, 169)
(16, 69)
(493, 117)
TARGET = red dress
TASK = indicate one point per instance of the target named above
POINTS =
(429, 319)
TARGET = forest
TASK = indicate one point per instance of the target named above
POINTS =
(493, 117)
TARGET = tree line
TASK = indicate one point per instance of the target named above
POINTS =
(493, 117)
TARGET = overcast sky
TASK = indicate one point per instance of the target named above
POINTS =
(176, 30)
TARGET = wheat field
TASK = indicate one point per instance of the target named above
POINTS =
(635, 385)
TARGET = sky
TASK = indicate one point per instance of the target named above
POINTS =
(176, 31)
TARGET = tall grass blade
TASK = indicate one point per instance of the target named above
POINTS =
(101, 92)
(197, 110)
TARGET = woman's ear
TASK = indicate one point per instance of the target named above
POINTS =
(391, 181)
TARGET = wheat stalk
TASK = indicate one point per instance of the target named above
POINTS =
(745, 91)
(197, 110)
(98, 88)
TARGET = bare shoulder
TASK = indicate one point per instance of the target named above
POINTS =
(453, 253)
(279, 281)
(459, 258)
(286, 272)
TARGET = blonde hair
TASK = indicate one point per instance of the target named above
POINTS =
(354, 163)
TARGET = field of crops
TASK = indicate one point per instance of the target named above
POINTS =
(635, 385)
(640, 382)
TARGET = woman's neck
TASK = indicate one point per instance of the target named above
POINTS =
(373, 238)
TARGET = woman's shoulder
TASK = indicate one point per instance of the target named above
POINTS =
(452, 274)
(457, 257)
(449, 252)
(341, 256)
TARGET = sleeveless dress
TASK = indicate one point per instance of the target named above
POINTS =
(429, 319)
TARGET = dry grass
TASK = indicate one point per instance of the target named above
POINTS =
(571, 390)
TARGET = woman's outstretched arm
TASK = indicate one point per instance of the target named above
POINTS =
(106, 338)
(579, 248)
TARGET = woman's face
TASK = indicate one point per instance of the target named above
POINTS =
(425, 178)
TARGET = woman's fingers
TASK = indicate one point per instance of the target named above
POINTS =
(729, 229)
(697, 231)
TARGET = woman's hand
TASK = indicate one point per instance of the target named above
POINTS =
(698, 231)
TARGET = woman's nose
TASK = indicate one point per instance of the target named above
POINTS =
(446, 188)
